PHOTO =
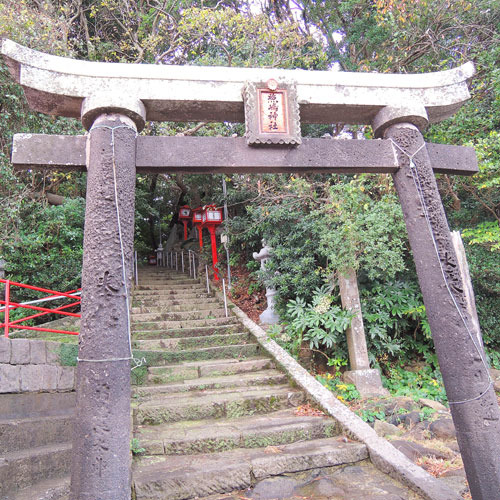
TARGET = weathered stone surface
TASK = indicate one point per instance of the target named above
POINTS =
(20, 351)
(102, 429)
(274, 488)
(443, 428)
(65, 378)
(52, 350)
(38, 353)
(415, 451)
(496, 385)
(367, 382)
(462, 360)
(28, 432)
(10, 378)
(223, 154)
(58, 85)
(430, 403)
(456, 483)
(4, 350)
(386, 429)
(50, 377)
(31, 378)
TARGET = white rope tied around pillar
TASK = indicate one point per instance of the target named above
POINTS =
(138, 362)
(418, 186)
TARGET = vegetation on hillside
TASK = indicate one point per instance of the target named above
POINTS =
(318, 225)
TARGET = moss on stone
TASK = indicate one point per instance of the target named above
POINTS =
(68, 354)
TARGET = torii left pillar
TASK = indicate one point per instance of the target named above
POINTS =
(101, 440)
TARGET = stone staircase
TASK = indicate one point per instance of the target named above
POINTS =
(214, 414)
(211, 413)
(36, 449)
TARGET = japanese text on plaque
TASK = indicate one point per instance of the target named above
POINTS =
(273, 117)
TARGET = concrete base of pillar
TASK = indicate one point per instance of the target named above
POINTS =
(269, 317)
(367, 382)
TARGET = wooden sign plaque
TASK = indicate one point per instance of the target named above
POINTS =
(272, 113)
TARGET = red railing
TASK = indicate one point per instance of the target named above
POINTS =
(9, 306)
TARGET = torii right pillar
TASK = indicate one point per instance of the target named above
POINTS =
(462, 360)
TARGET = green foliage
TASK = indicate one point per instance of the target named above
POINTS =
(135, 447)
(394, 318)
(360, 228)
(344, 392)
(320, 322)
(424, 383)
(47, 248)
(369, 415)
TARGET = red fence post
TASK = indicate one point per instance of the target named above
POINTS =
(7, 307)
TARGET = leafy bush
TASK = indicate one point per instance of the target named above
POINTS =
(425, 383)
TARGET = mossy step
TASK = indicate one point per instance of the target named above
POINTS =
(24, 468)
(216, 311)
(198, 369)
(199, 291)
(171, 286)
(188, 332)
(160, 358)
(24, 433)
(180, 343)
(256, 431)
(174, 306)
(264, 377)
(220, 403)
(190, 323)
(49, 489)
(159, 280)
(191, 476)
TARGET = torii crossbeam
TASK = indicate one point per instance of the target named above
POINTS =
(114, 101)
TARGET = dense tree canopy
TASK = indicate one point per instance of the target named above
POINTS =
(318, 225)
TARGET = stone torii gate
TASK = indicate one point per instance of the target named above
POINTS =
(114, 101)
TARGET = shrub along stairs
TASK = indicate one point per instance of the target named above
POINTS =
(212, 413)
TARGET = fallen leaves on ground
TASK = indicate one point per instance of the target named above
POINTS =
(273, 449)
(438, 466)
(308, 411)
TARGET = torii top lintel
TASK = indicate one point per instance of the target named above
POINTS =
(58, 86)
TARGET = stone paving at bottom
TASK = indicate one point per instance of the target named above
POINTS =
(360, 481)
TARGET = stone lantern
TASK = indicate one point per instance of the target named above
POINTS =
(185, 217)
(269, 316)
(211, 218)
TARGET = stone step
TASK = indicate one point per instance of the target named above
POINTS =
(216, 311)
(211, 436)
(188, 332)
(49, 489)
(163, 283)
(174, 306)
(180, 343)
(160, 358)
(200, 369)
(191, 323)
(190, 476)
(36, 404)
(170, 287)
(180, 293)
(21, 469)
(23, 433)
(265, 377)
(220, 403)
(166, 300)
